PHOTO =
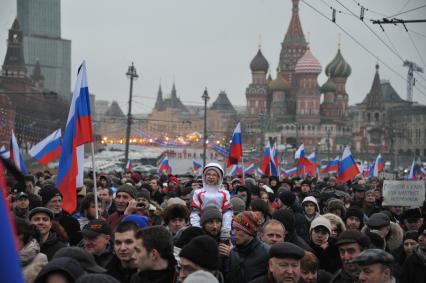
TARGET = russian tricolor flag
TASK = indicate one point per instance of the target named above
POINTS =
(290, 172)
(332, 165)
(412, 173)
(236, 170)
(249, 169)
(423, 172)
(129, 165)
(379, 165)
(366, 170)
(10, 267)
(347, 167)
(196, 165)
(236, 148)
(164, 165)
(48, 149)
(78, 132)
(304, 163)
(16, 156)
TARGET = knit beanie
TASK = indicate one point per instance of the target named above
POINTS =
(201, 276)
(143, 193)
(238, 204)
(141, 221)
(187, 235)
(334, 204)
(47, 193)
(209, 213)
(320, 221)
(247, 221)
(203, 251)
(286, 217)
(288, 198)
(412, 235)
(127, 189)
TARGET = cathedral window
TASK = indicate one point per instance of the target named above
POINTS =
(376, 116)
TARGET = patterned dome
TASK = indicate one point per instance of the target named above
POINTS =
(308, 64)
(328, 86)
(279, 83)
(259, 63)
(338, 67)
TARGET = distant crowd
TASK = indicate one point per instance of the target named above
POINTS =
(215, 228)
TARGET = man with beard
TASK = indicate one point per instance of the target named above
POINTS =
(211, 221)
(122, 266)
(283, 265)
(350, 244)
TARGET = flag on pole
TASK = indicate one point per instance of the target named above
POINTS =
(347, 167)
(4, 153)
(423, 172)
(366, 170)
(129, 165)
(236, 170)
(16, 156)
(289, 172)
(258, 173)
(379, 165)
(274, 160)
(10, 267)
(236, 148)
(78, 131)
(164, 165)
(196, 165)
(305, 165)
(48, 149)
(332, 166)
(412, 173)
(249, 169)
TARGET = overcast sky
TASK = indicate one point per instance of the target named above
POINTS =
(205, 43)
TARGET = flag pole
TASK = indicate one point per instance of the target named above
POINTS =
(242, 165)
(94, 181)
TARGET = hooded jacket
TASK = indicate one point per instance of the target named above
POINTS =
(52, 245)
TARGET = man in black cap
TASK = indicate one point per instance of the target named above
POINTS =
(414, 268)
(375, 266)
(350, 245)
(359, 194)
(284, 264)
(412, 219)
(354, 218)
(86, 260)
(96, 240)
(211, 221)
(201, 253)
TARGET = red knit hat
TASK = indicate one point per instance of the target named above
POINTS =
(248, 221)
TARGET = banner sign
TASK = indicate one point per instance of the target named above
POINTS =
(403, 193)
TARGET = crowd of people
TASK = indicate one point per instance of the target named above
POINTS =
(215, 228)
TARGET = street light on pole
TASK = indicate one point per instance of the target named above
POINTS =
(131, 74)
(205, 97)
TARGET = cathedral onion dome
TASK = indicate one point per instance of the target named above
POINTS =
(328, 86)
(308, 64)
(279, 83)
(259, 63)
(338, 67)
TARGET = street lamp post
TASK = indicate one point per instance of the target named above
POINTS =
(131, 74)
(205, 97)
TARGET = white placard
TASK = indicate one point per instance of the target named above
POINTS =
(403, 193)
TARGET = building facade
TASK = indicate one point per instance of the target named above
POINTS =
(40, 22)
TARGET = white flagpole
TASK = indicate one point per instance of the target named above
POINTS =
(94, 181)
(242, 165)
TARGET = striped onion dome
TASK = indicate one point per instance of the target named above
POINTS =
(338, 67)
(308, 64)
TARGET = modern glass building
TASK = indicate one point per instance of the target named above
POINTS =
(40, 21)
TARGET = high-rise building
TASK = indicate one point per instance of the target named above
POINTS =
(40, 21)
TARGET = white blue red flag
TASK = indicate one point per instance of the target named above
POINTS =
(300, 152)
(332, 165)
(366, 170)
(10, 267)
(48, 149)
(236, 148)
(270, 161)
(249, 169)
(423, 172)
(164, 165)
(289, 172)
(4, 153)
(16, 156)
(347, 167)
(379, 165)
(196, 165)
(305, 165)
(78, 131)
(236, 170)
(129, 166)
(412, 173)
(258, 172)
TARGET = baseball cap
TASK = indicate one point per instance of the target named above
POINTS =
(95, 228)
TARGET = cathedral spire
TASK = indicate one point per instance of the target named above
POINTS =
(295, 32)
(159, 103)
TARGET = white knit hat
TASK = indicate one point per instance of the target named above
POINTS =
(200, 276)
(320, 221)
